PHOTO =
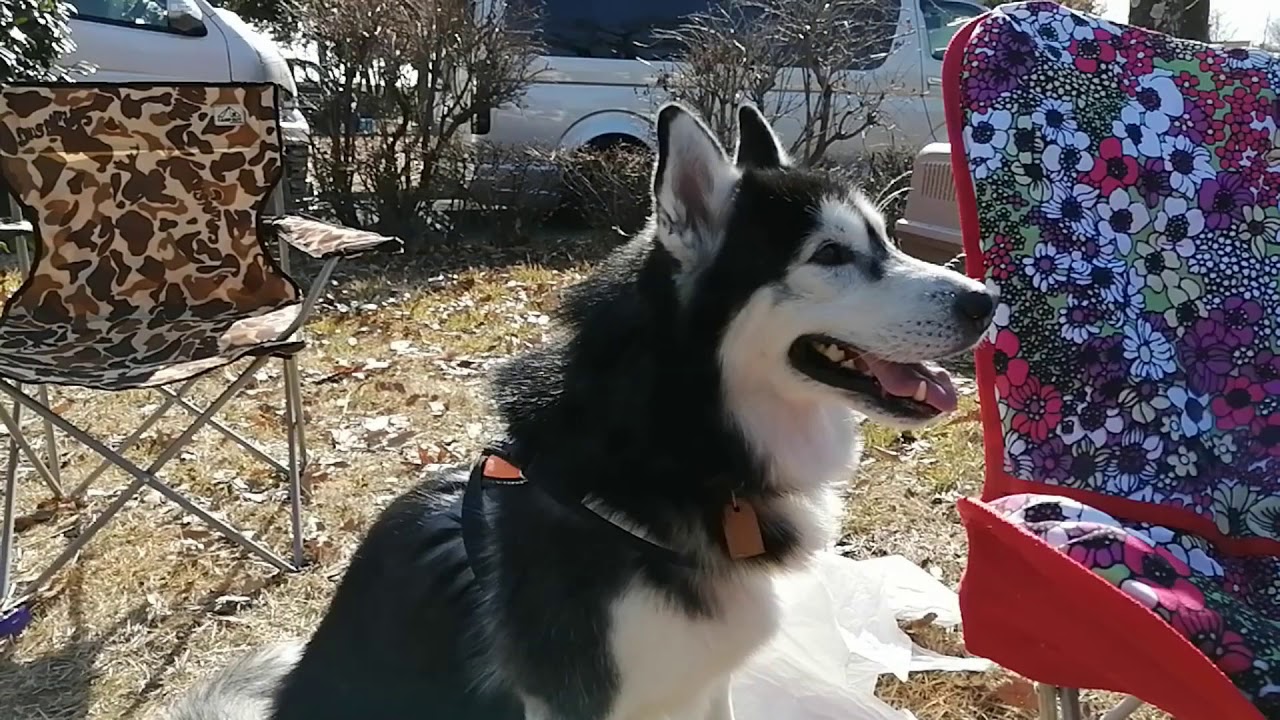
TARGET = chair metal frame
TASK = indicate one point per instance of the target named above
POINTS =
(1059, 702)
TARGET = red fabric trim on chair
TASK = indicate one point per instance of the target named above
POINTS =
(971, 233)
(1033, 610)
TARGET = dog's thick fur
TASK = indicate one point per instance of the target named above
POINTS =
(689, 375)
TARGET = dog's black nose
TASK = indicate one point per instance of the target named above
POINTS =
(975, 308)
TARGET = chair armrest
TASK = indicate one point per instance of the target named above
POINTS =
(324, 240)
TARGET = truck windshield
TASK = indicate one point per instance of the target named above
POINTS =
(942, 20)
(617, 29)
(640, 29)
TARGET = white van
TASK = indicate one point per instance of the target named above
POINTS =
(599, 86)
(188, 41)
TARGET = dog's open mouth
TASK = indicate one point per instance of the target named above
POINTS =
(909, 389)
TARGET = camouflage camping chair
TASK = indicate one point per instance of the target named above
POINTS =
(152, 269)
(1121, 190)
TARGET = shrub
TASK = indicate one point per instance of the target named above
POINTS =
(419, 70)
(608, 188)
(884, 176)
(791, 58)
(35, 35)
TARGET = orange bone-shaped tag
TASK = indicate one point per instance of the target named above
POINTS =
(742, 530)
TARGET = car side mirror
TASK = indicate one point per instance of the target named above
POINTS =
(185, 17)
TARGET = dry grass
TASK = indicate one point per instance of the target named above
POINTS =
(393, 385)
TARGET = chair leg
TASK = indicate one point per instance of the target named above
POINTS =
(295, 422)
(232, 435)
(51, 455)
(1070, 699)
(1055, 700)
(10, 510)
(1126, 708)
(1048, 696)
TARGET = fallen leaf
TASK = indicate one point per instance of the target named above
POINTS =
(1016, 693)
(397, 439)
(46, 510)
(432, 454)
(229, 604)
(312, 477)
(396, 388)
(320, 550)
(920, 623)
(345, 439)
(884, 453)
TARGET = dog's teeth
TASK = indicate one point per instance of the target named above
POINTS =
(922, 392)
(833, 353)
(850, 362)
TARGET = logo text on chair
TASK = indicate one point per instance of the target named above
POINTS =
(228, 116)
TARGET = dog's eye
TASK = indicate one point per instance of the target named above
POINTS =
(832, 253)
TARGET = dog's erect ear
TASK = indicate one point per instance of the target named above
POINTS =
(758, 146)
(693, 185)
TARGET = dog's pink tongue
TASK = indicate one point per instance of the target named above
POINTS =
(903, 380)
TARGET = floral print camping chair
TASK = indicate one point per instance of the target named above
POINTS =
(1121, 190)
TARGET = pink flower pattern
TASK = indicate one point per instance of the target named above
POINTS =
(1139, 354)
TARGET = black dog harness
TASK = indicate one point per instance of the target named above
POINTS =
(496, 470)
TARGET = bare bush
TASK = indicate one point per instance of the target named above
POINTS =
(1271, 35)
(884, 176)
(418, 70)
(608, 188)
(1181, 18)
(799, 59)
(512, 212)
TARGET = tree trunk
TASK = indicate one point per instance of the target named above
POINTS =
(1195, 21)
(1181, 18)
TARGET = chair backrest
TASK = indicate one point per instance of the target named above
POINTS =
(1121, 189)
(146, 199)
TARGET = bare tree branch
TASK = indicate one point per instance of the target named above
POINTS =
(422, 69)
(801, 59)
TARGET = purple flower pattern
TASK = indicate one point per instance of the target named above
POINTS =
(1119, 257)
(1145, 305)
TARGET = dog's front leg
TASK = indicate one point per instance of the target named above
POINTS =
(713, 704)
(721, 701)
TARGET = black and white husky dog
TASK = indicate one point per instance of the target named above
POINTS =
(668, 456)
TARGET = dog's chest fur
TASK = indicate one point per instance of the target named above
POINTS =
(668, 659)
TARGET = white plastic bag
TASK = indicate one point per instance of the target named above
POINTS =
(839, 633)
